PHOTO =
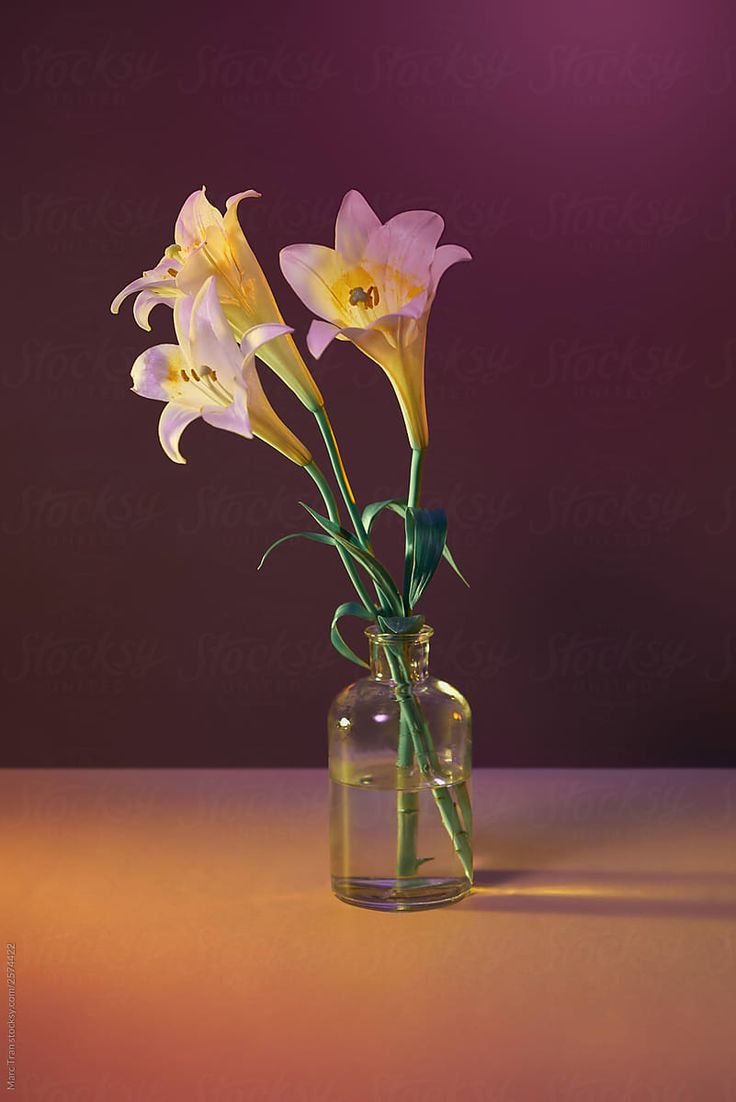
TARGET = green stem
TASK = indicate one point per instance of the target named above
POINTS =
(412, 720)
(429, 765)
(334, 514)
(407, 820)
(338, 467)
(415, 477)
(407, 802)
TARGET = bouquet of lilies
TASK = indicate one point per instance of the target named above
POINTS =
(376, 289)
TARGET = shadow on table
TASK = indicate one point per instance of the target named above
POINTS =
(610, 894)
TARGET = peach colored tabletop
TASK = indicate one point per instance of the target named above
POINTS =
(176, 940)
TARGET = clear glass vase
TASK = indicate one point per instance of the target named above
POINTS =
(399, 760)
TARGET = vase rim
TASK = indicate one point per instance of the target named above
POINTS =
(423, 635)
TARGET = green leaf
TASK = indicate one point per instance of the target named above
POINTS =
(371, 512)
(426, 534)
(316, 536)
(350, 608)
(400, 625)
(447, 555)
(369, 562)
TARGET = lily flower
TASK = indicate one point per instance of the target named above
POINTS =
(206, 244)
(376, 288)
(208, 375)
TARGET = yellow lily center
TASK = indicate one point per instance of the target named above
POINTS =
(205, 380)
(358, 294)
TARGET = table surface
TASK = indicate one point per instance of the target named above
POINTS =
(176, 939)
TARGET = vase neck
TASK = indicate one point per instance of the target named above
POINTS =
(413, 649)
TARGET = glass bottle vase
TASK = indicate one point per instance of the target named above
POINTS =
(399, 764)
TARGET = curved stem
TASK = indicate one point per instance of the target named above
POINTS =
(334, 514)
(338, 467)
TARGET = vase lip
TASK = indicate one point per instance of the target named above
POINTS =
(423, 635)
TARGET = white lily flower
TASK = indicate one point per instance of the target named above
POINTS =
(209, 244)
(208, 375)
(376, 289)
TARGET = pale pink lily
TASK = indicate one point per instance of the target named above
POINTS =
(376, 288)
(207, 244)
(208, 375)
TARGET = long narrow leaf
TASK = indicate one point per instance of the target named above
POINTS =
(371, 512)
(350, 608)
(426, 533)
(447, 555)
(316, 536)
(369, 562)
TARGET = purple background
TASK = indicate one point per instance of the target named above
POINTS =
(581, 374)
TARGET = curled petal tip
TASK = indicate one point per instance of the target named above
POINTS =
(235, 199)
(258, 335)
(319, 335)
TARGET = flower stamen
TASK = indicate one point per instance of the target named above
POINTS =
(367, 299)
(218, 390)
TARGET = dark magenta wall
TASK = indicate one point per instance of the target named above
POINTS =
(580, 373)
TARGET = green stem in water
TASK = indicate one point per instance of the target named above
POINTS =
(341, 475)
(407, 820)
(407, 803)
(428, 762)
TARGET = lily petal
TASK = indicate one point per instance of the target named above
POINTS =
(174, 419)
(406, 243)
(401, 356)
(196, 217)
(130, 289)
(444, 258)
(312, 271)
(356, 221)
(265, 421)
(320, 334)
(413, 310)
(147, 282)
(258, 335)
(233, 201)
(156, 370)
(234, 417)
(147, 299)
(159, 281)
(182, 323)
(211, 341)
